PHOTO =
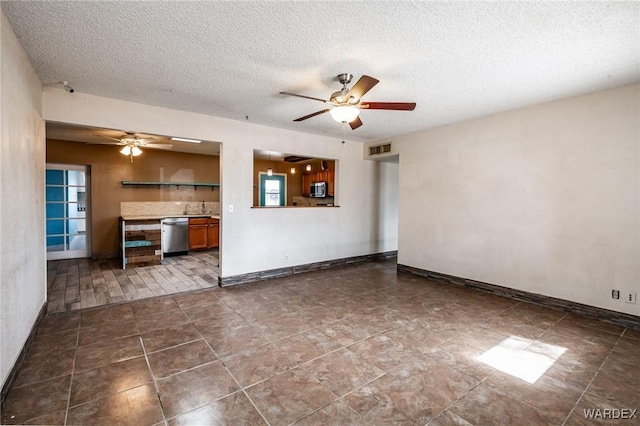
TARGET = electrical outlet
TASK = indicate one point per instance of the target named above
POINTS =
(230, 208)
(615, 294)
(286, 257)
(630, 297)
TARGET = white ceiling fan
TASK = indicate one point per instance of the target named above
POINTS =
(133, 142)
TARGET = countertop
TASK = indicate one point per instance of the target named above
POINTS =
(156, 217)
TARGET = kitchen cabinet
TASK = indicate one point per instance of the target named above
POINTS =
(321, 176)
(328, 176)
(140, 242)
(204, 233)
(331, 182)
(213, 233)
(198, 233)
(306, 184)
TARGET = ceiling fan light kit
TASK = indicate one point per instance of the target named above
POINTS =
(131, 150)
(133, 143)
(346, 103)
(344, 113)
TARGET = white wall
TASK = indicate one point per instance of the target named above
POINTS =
(544, 199)
(22, 155)
(256, 239)
(386, 188)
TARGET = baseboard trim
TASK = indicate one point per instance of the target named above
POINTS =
(299, 269)
(606, 315)
(23, 355)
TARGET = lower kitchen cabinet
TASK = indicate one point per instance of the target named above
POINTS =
(140, 242)
(204, 233)
(213, 233)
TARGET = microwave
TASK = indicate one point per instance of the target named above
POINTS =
(318, 189)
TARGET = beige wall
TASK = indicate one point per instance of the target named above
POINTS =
(22, 250)
(109, 168)
(255, 239)
(544, 199)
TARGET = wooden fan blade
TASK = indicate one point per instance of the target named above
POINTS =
(157, 146)
(363, 85)
(397, 106)
(109, 137)
(303, 96)
(311, 115)
(355, 123)
(142, 136)
(105, 143)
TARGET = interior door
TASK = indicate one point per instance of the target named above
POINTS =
(67, 210)
(273, 190)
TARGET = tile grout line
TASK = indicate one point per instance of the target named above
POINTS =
(240, 387)
(593, 378)
(73, 371)
(153, 378)
(494, 370)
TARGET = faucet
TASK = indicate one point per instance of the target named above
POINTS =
(203, 208)
(186, 209)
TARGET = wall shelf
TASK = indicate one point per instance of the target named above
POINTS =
(195, 185)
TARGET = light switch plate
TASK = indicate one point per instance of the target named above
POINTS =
(230, 208)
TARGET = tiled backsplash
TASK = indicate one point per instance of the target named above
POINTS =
(312, 202)
(161, 208)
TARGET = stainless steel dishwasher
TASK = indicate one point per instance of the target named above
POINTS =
(175, 235)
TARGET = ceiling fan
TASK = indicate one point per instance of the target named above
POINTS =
(132, 143)
(347, 103)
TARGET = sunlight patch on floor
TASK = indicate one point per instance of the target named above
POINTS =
(522, 358)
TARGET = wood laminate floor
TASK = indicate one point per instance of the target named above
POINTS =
(84, 283)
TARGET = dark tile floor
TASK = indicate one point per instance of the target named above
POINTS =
(353, 345)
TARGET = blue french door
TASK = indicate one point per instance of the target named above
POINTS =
(66, 211)
(273, 190)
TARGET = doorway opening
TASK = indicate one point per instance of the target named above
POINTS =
(67, 211)
(273, 190)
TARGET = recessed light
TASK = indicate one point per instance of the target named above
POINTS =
(186, 140)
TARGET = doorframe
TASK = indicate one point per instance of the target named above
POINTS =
(71, 254)
(284, 185)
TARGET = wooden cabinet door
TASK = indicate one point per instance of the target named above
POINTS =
(213, 233)
(321, 176)
(331, 182)
(306, 184)
(197, 237)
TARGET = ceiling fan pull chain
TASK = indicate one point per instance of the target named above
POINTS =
(344, 125)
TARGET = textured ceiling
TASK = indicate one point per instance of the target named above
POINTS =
(230, 59)
(92, 135)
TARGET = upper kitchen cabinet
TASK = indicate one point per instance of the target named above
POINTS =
(322, 176)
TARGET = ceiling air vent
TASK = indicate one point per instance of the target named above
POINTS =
(380, 149)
